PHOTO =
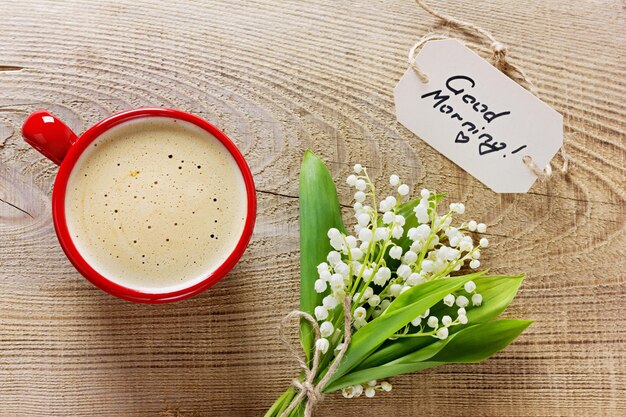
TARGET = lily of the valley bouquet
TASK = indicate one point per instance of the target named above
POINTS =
(401, 290)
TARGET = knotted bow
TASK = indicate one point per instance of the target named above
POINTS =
(313, 393)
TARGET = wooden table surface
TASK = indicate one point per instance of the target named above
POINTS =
(280, 77)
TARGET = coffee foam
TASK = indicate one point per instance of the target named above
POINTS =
(155, 204)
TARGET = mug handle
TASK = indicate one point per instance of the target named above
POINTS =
(48, 135)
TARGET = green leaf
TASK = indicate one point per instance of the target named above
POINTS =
(415, 361)
(408, 297)
(477, 343)
(497, 292)
(470, 344)
(319, 211)
(373, 334)
(365, 375)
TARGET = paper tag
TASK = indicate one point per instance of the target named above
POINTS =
(477, 117)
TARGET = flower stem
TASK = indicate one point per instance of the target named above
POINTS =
(415, 334)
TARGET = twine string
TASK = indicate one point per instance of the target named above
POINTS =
(500, 61)
(542, 174)
(309, 391)
(566, 159)
(498, 49)
(416, 48)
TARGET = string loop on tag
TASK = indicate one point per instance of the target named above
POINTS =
(500, 61)
(416, 48)
(498, 49)
(566, 158)
(542, 174)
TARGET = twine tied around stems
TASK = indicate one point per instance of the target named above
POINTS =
(500, 61)
(309, 391)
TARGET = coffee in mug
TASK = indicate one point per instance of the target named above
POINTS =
(151, 205)
(155, 204)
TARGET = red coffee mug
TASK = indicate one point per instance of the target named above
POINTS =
(60, 144)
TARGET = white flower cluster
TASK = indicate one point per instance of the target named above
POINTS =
(440, 328)
(357, 267)
(369, 390)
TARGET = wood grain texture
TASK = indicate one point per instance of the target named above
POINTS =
(280, 77)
